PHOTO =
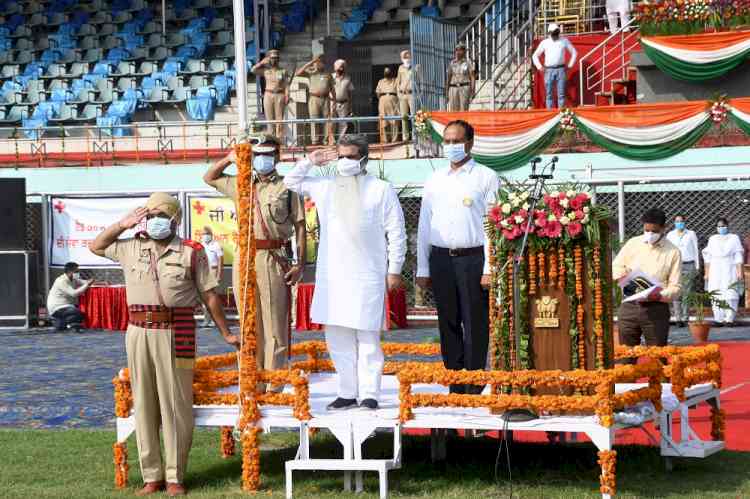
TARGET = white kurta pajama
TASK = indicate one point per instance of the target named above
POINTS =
(722, 255)
(350, 278)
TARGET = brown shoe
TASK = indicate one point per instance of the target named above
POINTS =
(150, 488)
(176, 489)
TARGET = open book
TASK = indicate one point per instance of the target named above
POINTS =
(637, 285)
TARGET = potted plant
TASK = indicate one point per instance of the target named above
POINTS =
(697, 301)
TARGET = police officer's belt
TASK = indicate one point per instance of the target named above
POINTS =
(459, 84)
(275, 91)
(389, 93)
(320, 96)
(158, 317)
(268, 244)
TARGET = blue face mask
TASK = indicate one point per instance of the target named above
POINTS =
(723, 230)
(159, 228)
(679, 225)
(264, 164)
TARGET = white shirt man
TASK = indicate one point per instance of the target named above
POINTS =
(687, 242)
(553, 48)
(362, 246)
(453, 251)
(62, 300)
(215, 256)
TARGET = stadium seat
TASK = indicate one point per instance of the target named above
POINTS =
(21, 31)
(66, 115)
(123, 68)
(88, 42)
(105, 29)
(86, 30)
(216, 66)
(89, 113)
(145, 69)
(105, 96)
(150, 28)
(14, 115)
(10, 71)
(137, 55)
(218, 24)
(198, 81)
(174, 40)
(110, 42)
(122, 17)
(158, 54)
(156, 95)
(126, 83)
(154, 40)
(178, 95)
(54, 71)
(192, 66)
(92, 56)
(221, 38)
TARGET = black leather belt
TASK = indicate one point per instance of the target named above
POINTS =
(686, 263)
(477, 250)
(388, 93)
(459, 84)
(555, 67)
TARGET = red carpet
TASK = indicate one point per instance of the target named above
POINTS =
(735, 400)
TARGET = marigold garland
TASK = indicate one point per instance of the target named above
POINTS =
(580, 325)
(562, 272)
(120, 452)
(552, 268)
(532, 272)
(123, 397)
(493, 308)
(607, 461)
(250, 459)
(542, 270)
(598, 308)
(511, 345)
(227, 442)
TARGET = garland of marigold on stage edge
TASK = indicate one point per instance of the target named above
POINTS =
(227, 442)
(120, 450)
(248, 376)
(718, 423)
(607, 461)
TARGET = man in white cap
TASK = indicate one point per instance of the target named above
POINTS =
(554, 48)
(362, 249)
(615, 8)
(404, 89)
(343, 88)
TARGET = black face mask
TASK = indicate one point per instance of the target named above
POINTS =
(556, 34)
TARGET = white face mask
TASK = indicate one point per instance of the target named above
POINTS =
(349, 167)
(264, 164)
(407, 62)
(454, 152)
(651, 237)
(206, 238)
(76, 276)
(159, 228)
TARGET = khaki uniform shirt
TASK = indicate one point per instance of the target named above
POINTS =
(460, 71)
(403, 81)
(386, 86)
(276, 79)
(321, 84)
(180, 284)
(344, 88)
(274, 203)
(661, 260)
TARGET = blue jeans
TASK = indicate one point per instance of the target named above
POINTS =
(552, 75)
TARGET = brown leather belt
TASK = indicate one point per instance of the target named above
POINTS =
(150, 316)
(320, 96)
(389, 93)
(276, 92)
(406, 92)
(269, 244)
(158, 317)
(477, 250)
(342, 101)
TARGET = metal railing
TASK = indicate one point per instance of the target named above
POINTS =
(607, 60)
(181, 140)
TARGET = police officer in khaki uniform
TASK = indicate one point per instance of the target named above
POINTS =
(322, 95)
(165, 278)
(403, 88)
(461, 81)
(343, 88)
(387, 106)
(276, 96)
(279, 215)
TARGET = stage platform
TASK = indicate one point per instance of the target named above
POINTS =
(351, 428)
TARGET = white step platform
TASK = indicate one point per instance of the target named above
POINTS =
(351, 428)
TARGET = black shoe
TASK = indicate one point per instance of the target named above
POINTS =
(681, 324)
(371, 404)
(717, 324)
(342, 404)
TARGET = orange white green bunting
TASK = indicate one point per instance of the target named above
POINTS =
(698, 57)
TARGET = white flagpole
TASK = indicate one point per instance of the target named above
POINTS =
(240, 62)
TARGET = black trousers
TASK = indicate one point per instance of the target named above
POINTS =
(648, 319)
(68, 316)
(463, 313)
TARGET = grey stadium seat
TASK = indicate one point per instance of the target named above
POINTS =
(15, 115)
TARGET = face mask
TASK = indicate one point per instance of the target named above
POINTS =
(723, 230)
(679, 225)
(651, 237)
(264, 164)
(407, 62)
(76, 276)
(349, 167)
(454, 152)
(159, 228)
(206, 238)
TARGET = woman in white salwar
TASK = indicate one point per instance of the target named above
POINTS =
(723, 257)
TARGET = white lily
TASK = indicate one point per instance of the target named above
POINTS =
(564, 220)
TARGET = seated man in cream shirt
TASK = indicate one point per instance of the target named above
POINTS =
(62, 300)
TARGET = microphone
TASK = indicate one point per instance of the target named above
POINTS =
(533, 164)
(554, 162)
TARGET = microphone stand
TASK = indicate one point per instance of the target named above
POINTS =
(520, 415)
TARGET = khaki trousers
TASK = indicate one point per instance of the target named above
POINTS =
(317, 108)
(458, 98)
(406, 108)
(273, 105)
(388, 106)
(162, 396)
(272, 307)
(342, 110)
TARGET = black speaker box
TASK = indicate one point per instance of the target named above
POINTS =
(12, 213)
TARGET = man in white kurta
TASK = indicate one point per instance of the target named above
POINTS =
(362, 248)
(723, 257)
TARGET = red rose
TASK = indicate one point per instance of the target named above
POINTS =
(579, 215)
(579, 201)
(574, 229)
(554, 229)
(496, 214)
(509, 234)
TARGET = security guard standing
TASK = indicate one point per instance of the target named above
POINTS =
(321, 95)
(165, 278)
(344, 89)
(404, 89)
(276, 96)
(461, 80)
(279, 214)
(387, 106)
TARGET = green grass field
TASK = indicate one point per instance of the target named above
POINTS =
(78, 463)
